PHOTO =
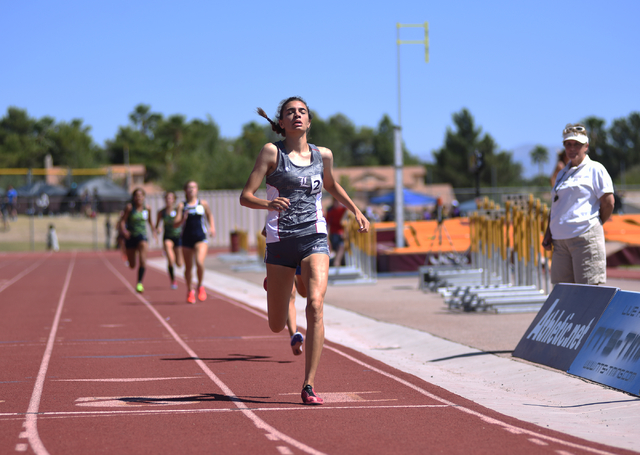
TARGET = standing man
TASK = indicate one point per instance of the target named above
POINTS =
(12, 202)
(334, 217)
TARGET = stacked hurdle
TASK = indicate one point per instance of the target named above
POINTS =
(509, 268)
(360, 257)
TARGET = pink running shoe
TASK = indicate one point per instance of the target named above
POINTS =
(309, 396)
(191, 296)
(202, 294)
(174, 285)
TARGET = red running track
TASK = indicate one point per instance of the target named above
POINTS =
(89, 366)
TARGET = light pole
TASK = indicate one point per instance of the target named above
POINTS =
(397, 133)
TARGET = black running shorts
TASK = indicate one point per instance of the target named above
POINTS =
(291, 252)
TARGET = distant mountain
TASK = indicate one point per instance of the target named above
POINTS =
(522, 154)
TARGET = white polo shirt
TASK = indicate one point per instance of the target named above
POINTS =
(576, 197)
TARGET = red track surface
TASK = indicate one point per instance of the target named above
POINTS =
(89, 366)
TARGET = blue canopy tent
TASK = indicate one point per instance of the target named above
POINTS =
(411, 198)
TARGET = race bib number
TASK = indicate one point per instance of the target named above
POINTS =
(316, 184)
(200, 210)
(145, 215)
(172, 214)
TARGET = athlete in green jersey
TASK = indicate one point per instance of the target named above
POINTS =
(172, 238)
(133, 226)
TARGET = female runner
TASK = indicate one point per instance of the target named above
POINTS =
(191, 215)
(172, 238)
(132, 225)
(295, 172)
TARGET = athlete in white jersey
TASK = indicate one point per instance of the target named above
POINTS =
(296, 171)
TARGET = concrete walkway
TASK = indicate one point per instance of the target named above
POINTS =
(466, 353)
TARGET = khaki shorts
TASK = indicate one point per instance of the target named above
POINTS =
(581, 260)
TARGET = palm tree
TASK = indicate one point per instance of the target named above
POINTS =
(539, 156)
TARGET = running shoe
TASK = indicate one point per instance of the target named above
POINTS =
(202, 294)
(174, 285)
(191, 297)
(309, 396)
(139, 288)
(296, 343)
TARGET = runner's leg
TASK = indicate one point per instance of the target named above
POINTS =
(315, 274)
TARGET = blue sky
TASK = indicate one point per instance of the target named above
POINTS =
(523, 69)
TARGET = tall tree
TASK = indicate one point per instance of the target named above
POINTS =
(539, 155)
(624, 150)
(454, 162)
(144, 120)
(25, 141)
(599, 147)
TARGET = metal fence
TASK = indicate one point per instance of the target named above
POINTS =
(88, 220)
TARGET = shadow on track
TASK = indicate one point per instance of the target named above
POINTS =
(234, 358)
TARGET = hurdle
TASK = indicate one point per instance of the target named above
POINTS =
(360, 257)
(506, 248)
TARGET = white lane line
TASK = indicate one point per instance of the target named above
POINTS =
(537, 441)
(31, 422)
(126, 379)
(29, 269)
(484, 418)
(257, 421)
(300, 408)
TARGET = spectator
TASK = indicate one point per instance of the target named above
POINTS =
(582, 201)
(335, 215)
(12, 202)
(562, 162)
(52, 239)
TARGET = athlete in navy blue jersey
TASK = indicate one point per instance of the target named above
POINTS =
(194, 215)
(296, 173)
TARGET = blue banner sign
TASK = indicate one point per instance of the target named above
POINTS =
(563, 324)
(611, 354)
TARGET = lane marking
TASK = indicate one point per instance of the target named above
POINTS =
(257, 421)
(300, 408)
(128, 400)
(127, 379)
(124, 356)
(346, 397)
(29, 269)
(484, 418)
(132, 401)
(537, 441)
(31, 422)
